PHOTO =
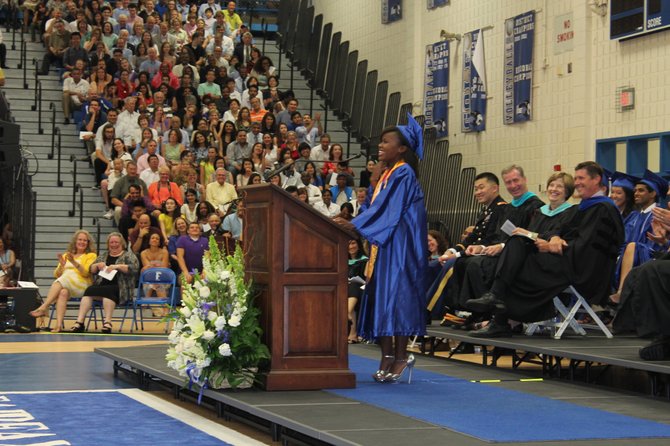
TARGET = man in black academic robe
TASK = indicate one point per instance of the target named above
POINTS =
(583, 254)
(475, 271)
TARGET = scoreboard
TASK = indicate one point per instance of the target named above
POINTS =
(633, 18)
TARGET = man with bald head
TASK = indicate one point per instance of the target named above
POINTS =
(139, 237)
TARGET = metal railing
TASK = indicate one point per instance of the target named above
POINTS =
(77, 188)
(22, 55)
(40, 130)
(36, 64)
(52, 107)
(59, 182)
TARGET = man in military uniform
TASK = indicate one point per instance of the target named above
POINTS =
(487, 188)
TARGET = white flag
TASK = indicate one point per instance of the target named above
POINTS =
(478, 59)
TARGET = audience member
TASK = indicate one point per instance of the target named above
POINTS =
(190, 251)
(72, 275)
(117, 290)
(221, 194)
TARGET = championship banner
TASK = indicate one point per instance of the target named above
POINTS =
(436, 88)
(391, 10)
(518, 75)
(474, 82)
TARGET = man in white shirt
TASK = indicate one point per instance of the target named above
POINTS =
(322, 151)
(326, 206)
(313, 192)
(151, 174)
(75, 90)
(127, 125)
(220, 193)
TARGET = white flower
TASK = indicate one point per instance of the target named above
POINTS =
(185, 311)
(224, 275)
(174, 337)
(211, 316)
(224, 349)
(197, 326)
(220, 322)
(205, 292)
(189, 344)
(208, 335)
(234, 320)
(203, 363)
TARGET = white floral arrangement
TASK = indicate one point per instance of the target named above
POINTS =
(216, 338)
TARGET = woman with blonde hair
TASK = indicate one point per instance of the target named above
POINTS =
(112, 291)
(72, 275)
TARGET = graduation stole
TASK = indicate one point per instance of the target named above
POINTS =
(381, 184)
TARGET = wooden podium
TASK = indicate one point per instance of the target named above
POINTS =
(297, 259)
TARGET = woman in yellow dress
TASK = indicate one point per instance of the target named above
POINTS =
(72, 276)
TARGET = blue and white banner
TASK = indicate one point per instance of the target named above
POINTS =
(474, 82)
(432, 4)
(391, 10)
(518, 75)
(436, 88)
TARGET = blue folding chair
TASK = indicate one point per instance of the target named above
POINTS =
(153, 276)
(70, 306)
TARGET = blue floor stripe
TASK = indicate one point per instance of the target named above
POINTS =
(89, 419)
(490, 412)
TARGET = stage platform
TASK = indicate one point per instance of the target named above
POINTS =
(323, 417)
(581, 352)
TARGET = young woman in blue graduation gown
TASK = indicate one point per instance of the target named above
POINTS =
(395, 224)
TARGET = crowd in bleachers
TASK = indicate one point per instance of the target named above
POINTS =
(176, 91)
(178, 109)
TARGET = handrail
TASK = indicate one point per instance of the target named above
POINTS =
(40, 130)
(81, 206)
(75, 185)
(52, 107)
(24, 49)
(16, 18)
(324, 107)
(25, 73)
(96, 222)
(33, 238)
(73, 159)
(34, 106)
(59, 183)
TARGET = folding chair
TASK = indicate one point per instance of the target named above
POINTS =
(152, 276)
(566, 317)
(91, 316)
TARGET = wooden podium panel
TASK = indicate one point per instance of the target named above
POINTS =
(298, 260)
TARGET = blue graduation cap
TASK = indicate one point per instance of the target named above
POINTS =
(624, 180)
(413, 133)
(658, 184)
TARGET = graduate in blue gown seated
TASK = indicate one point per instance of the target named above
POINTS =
(641, 244)
(393, 306)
